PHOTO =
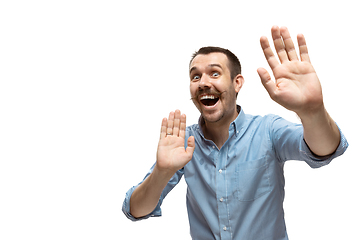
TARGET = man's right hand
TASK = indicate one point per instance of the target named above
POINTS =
(171, 152)
(171, 156)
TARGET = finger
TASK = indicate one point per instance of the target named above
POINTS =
(170, 123)
(269, 55)
(304, 55)
(267, 82)
(182, 126)
(289, 45)
(176, 127)
(163, 128)
(279, 44)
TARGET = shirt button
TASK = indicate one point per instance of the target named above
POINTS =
(213, 146)
(224, 228)
(220, 171)
(221, 199)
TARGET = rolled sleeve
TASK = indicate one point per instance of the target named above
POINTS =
(157, 211)
(315, 161)
(289, 144)
(126, 207)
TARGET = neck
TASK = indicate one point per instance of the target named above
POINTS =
(218, 131)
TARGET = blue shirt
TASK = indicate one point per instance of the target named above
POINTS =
(237, 192)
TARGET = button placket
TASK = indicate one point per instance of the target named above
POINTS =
(222, 192)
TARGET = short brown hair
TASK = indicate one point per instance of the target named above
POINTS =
(233, 62)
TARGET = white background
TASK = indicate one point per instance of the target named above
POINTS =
(84, 86)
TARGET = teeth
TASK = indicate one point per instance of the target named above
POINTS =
(207, 97)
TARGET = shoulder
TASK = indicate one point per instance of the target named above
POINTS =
(270, 119)
(191, 129)
(261, 120)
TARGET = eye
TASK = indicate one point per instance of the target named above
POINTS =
(215, 74)
(195, 78)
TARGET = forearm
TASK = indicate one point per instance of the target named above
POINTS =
(320, 132)
(146, 196)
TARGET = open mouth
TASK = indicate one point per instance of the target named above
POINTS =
(209, 100)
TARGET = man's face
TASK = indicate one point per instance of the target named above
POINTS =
(211, 87)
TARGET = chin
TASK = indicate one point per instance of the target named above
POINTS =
(212, 117)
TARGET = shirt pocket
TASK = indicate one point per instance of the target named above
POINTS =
(252, 180)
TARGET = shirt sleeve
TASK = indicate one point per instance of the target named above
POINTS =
(289, 144)
(157, 211)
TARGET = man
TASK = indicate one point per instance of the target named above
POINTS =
(233, 162)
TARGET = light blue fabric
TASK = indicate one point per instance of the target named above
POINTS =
(237, 192)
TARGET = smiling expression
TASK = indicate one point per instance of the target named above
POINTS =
(211, 87)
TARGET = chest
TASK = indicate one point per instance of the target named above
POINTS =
(239, 170)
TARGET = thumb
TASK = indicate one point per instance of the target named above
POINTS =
(266, 81)
(190, 145)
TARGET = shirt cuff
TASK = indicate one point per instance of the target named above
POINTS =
(126, 207)
(315, 161)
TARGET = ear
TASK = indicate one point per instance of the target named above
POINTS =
(238, 82)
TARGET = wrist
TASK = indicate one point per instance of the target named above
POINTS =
(311, 114)
(163, 174)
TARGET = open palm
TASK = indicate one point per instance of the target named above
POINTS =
(171, 153)
(296, 85)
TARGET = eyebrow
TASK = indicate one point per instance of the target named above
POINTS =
(210, 65)
(192, 69)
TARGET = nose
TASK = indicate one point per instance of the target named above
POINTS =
(204, 82)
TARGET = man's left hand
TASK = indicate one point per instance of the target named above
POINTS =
(296, 85)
